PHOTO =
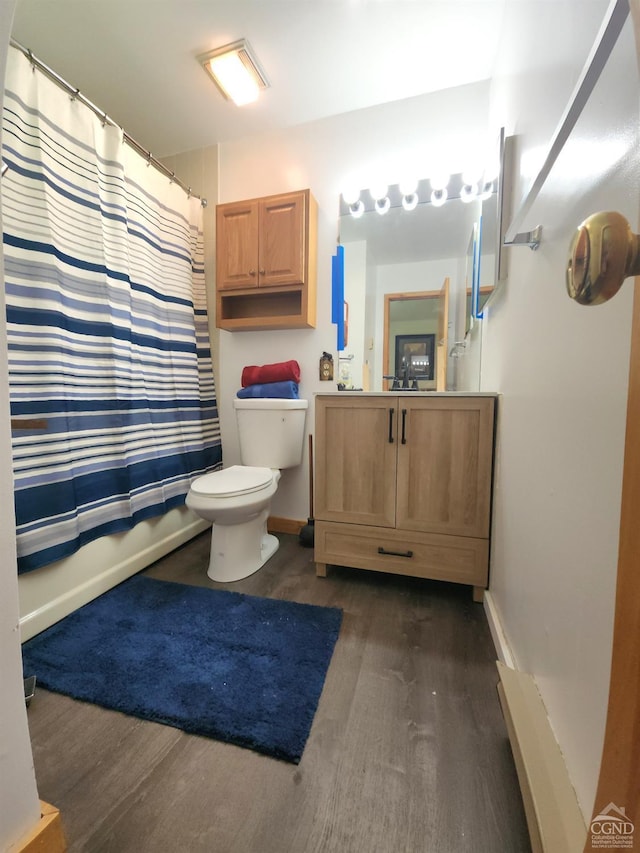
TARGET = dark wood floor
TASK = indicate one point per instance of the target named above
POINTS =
(408, 752)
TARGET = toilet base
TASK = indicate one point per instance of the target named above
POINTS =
(239, 550)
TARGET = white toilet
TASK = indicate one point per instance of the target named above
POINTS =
(237, 499)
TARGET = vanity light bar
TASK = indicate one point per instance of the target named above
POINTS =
(437, 193)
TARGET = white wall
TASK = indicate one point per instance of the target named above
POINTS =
(19, 804)
(323, 156)
(562, 371)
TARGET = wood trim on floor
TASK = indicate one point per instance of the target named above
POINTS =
(284, 525)
(503, 649)
(47, 836)
(554, 818)
(619, 779)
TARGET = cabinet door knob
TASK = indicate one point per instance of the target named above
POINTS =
(261, 272)
(252, 272)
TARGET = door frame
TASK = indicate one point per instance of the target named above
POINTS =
(619, 779)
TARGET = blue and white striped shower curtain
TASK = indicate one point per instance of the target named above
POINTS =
(106, 322)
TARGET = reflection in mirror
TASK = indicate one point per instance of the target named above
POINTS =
(409, 342)
(402, 258)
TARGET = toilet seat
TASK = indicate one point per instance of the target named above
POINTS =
(232, 482)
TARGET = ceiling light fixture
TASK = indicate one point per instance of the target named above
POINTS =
(235, 71)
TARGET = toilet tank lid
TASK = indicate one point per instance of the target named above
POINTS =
(233, 481)
(269, 403)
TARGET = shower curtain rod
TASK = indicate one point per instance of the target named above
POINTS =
(105, 119)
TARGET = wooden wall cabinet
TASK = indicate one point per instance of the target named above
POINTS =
(403, 485)
(266, 263)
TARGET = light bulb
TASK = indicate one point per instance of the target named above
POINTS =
(378, 191)
(382, 205)
(408, 187)
(356, 209)
(351, 195)
(438, 197)
(439, 181)
(471, 175)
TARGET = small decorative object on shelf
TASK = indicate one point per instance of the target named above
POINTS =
(326, 367)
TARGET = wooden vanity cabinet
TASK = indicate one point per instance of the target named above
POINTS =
(266, 262)
(403, 485)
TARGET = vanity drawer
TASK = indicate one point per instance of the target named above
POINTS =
(460, 559)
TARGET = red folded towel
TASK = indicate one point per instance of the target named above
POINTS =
(283, 371)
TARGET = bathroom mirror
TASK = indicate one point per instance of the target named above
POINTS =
(402, 255)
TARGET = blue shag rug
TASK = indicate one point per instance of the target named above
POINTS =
(233, 667)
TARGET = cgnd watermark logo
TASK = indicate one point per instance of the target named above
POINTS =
(612, 829)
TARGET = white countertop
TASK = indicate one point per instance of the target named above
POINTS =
(349, 393)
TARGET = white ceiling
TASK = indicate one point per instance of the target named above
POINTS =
(135, 59)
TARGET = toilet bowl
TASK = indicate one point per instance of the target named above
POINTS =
(237, 499)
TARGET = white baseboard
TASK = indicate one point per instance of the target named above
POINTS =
(554, 819)
(503, 650)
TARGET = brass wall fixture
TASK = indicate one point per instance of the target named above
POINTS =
(603, 252)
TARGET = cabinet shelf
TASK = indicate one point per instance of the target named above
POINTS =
(251, 311)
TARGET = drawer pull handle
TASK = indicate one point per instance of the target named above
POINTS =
(395, 553)
(391, 411)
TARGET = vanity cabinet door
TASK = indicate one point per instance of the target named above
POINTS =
(445, 465)
(355, 453)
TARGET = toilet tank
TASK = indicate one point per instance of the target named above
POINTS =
(270, 431)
